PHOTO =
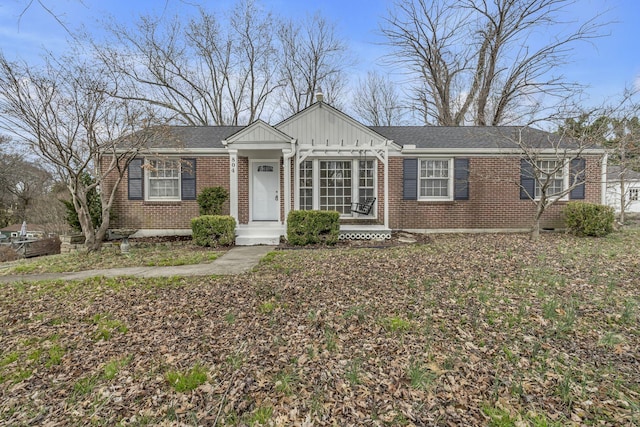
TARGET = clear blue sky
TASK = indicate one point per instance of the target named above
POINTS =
(607, 66)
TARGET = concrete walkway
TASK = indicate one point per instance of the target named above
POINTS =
(237, 260)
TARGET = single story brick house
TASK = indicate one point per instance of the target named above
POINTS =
(423, 178)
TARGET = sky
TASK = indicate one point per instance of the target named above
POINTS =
(606, 66)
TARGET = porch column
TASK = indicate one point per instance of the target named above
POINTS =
(233, 184)
(286, 157)
(386, 187)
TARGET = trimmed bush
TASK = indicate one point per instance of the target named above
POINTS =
(211, 199)
(213, 230)
(309, 227)
(589, 219)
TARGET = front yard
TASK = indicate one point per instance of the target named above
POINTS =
(462, 330)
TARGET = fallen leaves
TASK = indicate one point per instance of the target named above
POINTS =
(464, 330)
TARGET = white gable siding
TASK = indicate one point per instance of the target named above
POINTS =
(259, 132)
(322, 125)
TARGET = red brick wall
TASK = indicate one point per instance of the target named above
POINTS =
(210, 172)
(494, 200)
(243, 190)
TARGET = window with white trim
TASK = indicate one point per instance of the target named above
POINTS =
(306, 185)
(163, 179)
(336, 184)
(435, 179)
(366, 180)
(634, 194)
(553, 173)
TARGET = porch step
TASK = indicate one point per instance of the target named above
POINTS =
(259, 234)
(269, 234)
(256, 240)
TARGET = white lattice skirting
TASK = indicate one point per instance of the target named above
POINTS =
(365, 235)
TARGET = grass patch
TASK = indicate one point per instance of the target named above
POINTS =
(420, 377)
(396, 324)
(149, 255)
(113, 367)
(284, 382)
(106, 326)
(184, 381)
(84, 386)
(267, 307)
(261, 416)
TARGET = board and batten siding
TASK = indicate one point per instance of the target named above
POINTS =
(320, 125)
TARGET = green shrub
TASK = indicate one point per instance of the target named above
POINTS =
(308, 227)
(589, 219)
(213, 230)
(211, 199)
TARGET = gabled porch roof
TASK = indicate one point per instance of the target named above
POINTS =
(259, 136)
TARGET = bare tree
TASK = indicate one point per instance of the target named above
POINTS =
(376, 101)
(616, 127)
(64, 114)
(553, 168)
(481, 62)
(625, 151)
(203, 71)
(313, 58)
(26, 183)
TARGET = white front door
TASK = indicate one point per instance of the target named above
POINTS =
(265, 198)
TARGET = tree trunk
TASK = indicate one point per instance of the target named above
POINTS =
(623, 198)
(86, 224)
(535, 228)
(534, 234)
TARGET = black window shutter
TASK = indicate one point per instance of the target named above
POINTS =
(576, 176)
(410, 179)
(461, 179)
(188, 179)
(135, 179)
(527, 180)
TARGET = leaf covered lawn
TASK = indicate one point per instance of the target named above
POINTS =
(465, 330)
(143, 254)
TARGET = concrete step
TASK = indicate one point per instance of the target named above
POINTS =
(257, 240)
(259, 234)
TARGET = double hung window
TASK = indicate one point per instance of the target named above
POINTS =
(436, 179)
(553, 174)
(163, 179)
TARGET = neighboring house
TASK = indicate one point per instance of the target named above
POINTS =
(34, 231)
(423, 178)
(631, 186)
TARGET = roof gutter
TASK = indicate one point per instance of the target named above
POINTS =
(413, 150)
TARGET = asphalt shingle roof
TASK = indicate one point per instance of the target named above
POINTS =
(194, 136)
(465, 136)
(613, 174)
(460, 137)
